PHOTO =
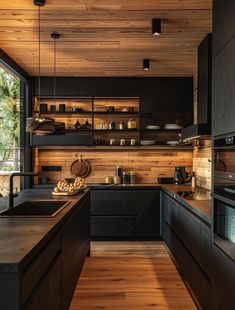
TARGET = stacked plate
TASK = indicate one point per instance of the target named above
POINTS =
(152, 127)
(172, 143)
(147, 142)
(172, 126)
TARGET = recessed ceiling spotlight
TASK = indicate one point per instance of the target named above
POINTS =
(156, 26)
(39, 2)
(146, 64)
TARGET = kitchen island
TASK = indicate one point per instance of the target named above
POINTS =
(41, 257)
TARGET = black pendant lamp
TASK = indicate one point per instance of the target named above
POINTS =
(55, 36)
(39, 3)
(156, 26)
(146, 64)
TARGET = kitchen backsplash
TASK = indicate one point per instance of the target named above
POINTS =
(202, 164)
(148, 164)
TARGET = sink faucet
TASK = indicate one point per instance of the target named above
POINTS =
(11, 179)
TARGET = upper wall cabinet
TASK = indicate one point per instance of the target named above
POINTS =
(223, 91)
(167, 95)
(83, 86)
(157, 94)
(223, 23)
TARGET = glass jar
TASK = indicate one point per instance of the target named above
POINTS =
(126, 178)
(133, 177)
(131, 124)
(122, 125)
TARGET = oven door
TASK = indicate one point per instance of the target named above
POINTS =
(224, 224)
(224, 163)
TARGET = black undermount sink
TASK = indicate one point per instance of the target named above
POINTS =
(36, 208)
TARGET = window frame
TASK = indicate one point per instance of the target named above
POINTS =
(8, 64)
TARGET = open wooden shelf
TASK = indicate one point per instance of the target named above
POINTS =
(94, 109)
(120, 148)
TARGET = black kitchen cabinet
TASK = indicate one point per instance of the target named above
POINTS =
(48, 293)
(114, 226)
(125, 213)
(194, 234)
(157, 94)
(75, 246)
(204, 81)
(223, 280)
(48, 279)
(223, 23)
(168, 94)
(189, 240)
(223, 91)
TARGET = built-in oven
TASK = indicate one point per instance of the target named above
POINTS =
(224, 224)
(224, 166)
(224, 194)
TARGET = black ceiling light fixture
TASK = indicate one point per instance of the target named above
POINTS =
(146, 64)
(39, 3)
(156, 26)
(55, 36)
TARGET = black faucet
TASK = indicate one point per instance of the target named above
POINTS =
(11, 190)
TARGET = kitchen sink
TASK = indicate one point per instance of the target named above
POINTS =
(36, 208)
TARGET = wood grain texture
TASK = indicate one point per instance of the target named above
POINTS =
(106, 38)
(149, 164)
(202, 164)
(137, 275)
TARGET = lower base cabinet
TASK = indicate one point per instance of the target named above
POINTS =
(189, 241)
(75, 246)
(49, 280)
(125, 214)
(223, 282)
(47, 294)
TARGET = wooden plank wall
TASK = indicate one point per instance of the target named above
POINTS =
(202, 164)
(149, 164)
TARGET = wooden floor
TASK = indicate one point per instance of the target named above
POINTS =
(130, 275)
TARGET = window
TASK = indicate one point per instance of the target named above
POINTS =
(10, 126)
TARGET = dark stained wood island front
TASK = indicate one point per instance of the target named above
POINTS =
(41, 258)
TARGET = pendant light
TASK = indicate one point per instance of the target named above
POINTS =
(156, 26)
(55, 36)
(39, 3)
(146, 64)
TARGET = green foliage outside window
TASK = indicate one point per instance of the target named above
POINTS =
(9, 122)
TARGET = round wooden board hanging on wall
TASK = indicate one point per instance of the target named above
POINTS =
(80, 168)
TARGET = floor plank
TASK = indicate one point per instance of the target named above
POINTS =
(130, 275)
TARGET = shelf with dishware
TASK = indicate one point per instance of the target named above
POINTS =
(106, 122)
(66, 113)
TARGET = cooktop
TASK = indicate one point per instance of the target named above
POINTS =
(197, 195)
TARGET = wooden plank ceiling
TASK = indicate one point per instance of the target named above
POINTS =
(106, 38)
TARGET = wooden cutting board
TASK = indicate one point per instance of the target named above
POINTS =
(80, 168)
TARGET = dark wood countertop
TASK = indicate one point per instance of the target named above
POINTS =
(22, 238)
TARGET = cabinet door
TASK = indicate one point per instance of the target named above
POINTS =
(115, 202)
(47, 294)
(189, 232)
(223, 23)
(114, 226)
(75, 246)
(124, 212)
(223, 280)
(205, 249)
(167, 95)
(171, 212)
(149, 213)
(223, 91)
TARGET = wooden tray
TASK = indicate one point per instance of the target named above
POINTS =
(64, 193)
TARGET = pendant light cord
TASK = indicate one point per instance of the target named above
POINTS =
(39, 55)
(54, 68)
